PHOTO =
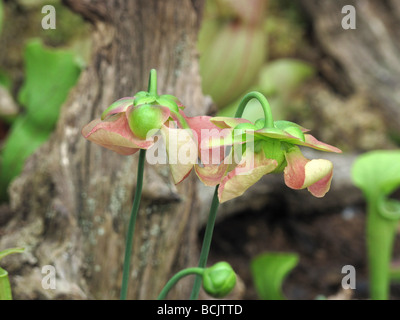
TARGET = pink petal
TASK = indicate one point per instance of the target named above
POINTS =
(182, 151)
(206, 130)
(211, 175)
(247, 173)
(118, 106)
(114, 133)
(300, 173)
(312, 142)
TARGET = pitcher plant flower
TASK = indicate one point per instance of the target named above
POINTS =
(257, 149)
(274, 149)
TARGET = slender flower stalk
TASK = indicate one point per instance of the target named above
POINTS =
(152, 88)
(268, 122)
(206, 243)
(131, 226)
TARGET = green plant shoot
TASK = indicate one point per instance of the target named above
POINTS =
(377, 174)
(269, 271)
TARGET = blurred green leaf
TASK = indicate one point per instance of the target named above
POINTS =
(282, 76)
(269, 271)
(377, 172)
(50, 74)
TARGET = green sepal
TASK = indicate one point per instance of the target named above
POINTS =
(273, 150)
(168, 101)
(146, 98)
(296, 132)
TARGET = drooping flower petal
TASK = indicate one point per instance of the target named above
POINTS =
(244, 175)
(300, 173)
(312, 142)
(227, 122)
(118, 106)
(114, 133)
(181, 150)
(211, 175)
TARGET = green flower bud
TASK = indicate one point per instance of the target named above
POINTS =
(146, 117)
(219, 280)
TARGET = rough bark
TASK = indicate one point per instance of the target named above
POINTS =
(71, 205)
(364, 59)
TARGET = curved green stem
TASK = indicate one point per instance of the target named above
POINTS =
(152, 87)
(206, 243)
(176, 278)
(269, 121)
(132, 223)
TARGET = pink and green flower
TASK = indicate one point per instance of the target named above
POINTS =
(273, 149)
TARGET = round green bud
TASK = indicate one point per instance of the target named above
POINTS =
(219, 280)
(144, 118)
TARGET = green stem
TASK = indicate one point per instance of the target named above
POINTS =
(176, 278)
(380, 237)
(152, 87)
(269, 122)
(132, 223)
(206, 243)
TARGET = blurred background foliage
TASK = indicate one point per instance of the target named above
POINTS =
(253, 45)
(37, 71)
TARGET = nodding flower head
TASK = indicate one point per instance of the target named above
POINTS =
(264, 150)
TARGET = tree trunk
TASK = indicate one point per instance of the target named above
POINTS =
(71, 205)
(365, 59)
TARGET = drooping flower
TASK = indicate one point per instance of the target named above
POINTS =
(271, 150)
(132, 123)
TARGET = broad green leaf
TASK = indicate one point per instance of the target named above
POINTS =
(377, 172)
(269, 271)
(50, 74)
